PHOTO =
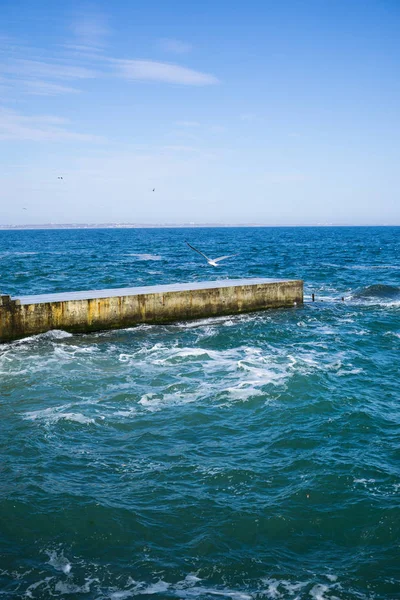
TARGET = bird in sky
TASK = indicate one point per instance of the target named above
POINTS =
(211, 261)
(60, 177)
(154, 189)
(24, 208)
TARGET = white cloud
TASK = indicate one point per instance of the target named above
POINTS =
(15, 126)
(148, 70)
(175, 46)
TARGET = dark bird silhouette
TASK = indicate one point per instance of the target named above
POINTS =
(154, 189)
(60, 177)
(24, 208)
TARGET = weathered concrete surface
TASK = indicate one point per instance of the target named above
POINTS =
(112, 309)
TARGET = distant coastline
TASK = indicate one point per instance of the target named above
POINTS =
(168, 225)
(128, 225)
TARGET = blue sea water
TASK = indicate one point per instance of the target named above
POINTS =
(244, 457)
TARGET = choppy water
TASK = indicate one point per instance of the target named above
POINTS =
(243, 457)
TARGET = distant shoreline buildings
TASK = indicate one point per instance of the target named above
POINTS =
(172, 225)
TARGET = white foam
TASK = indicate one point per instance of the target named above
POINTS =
(263, 375)
(272, 589)
(243, 391)
(282, 588)
(364, 481)
(318, 592)
(121, 595)
(146, 256)
(186, 588)
(325, 330)
(191, 587)
(238, 373)
(132, 412)
(12, 253)
(183, 353)
(350, 371)
(42, 582)
(56, 334)
(192, 352)
(67, 587)
(53, 334)
(156, 588)
(195, 592)
(58, 561)
(52, 415)
(278, 588)
(192, 579)
(362, 267)
(227, 321)
(155, 402)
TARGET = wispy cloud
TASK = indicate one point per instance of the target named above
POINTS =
(174, 46)
(149, 70)
(52, 70)
(88, 53)
(90, 30)
(15, 126)
(23, 70)
(45, 88)
(43, 78)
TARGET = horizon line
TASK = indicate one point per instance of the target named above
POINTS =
(27, 226)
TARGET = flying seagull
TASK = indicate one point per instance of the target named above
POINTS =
(211, 261)
(154, 189)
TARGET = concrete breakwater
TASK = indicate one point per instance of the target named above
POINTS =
(96, 310)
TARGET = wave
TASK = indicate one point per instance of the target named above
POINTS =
(362, 267)
(52, 334)
(52, 415)
(322, 587)
(378, 292)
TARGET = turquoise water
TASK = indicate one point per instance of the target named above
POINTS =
(243, 457)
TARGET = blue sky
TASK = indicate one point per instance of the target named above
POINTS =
(276, 113)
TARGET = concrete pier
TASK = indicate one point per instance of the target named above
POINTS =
(96, 310)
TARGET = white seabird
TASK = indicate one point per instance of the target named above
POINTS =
(211, 261)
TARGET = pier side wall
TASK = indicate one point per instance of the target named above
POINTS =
(20, 320)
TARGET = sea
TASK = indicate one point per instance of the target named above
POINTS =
(245, 457)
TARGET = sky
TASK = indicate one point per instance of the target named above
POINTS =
(262, 112)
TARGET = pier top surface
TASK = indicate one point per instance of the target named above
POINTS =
(150, 289)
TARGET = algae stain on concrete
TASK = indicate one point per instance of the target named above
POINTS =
(26, 316)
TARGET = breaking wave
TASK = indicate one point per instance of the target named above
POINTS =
(379, 292)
